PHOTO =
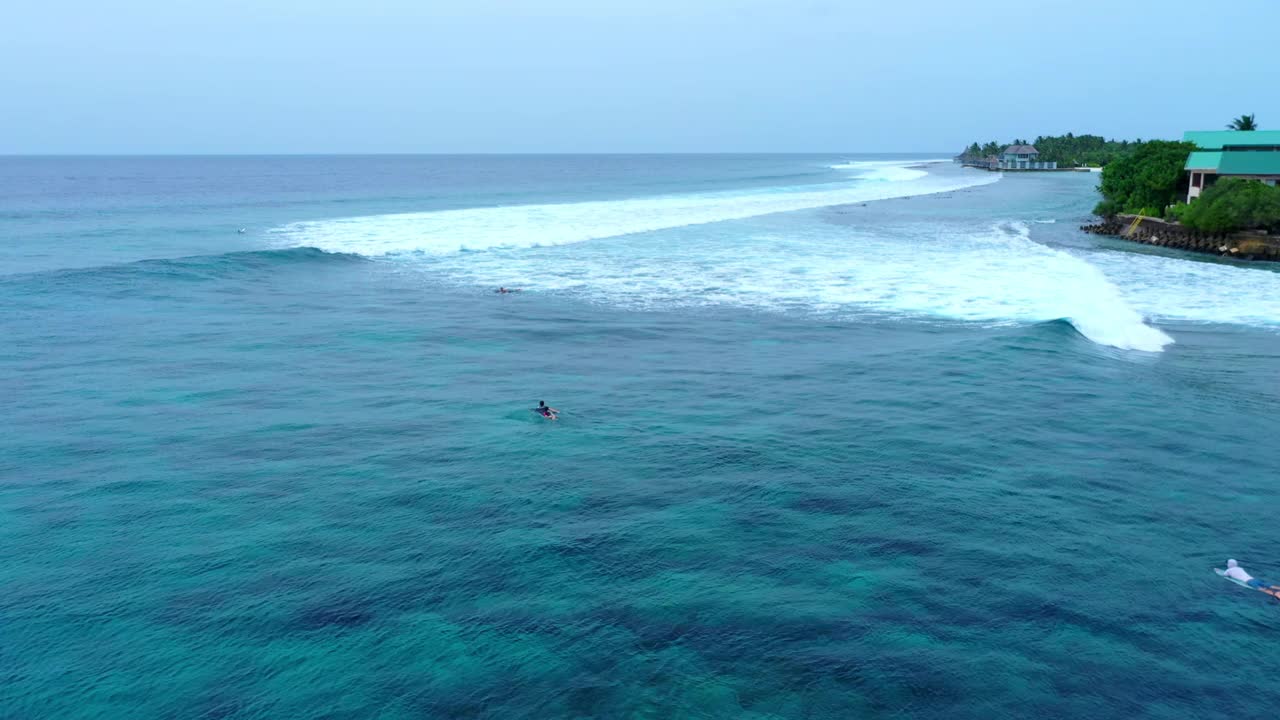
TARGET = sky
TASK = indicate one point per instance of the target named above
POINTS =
(406, 76)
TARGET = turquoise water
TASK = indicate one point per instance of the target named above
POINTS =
(841, 438)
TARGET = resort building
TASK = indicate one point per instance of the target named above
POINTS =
(1250, 154)
(1013, 157)
(1020, 157)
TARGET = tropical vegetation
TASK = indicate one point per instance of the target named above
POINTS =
(1068, 150)
(1232, 204)
(1082, 150)
(976, 151)
(1244, 122)
(1145, 180)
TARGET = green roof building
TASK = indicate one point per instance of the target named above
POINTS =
(1252, 154)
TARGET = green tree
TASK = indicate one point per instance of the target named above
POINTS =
(1233, 204)
(1146, 180)
(1066, 150)
(1070, 149)
(1244, 122)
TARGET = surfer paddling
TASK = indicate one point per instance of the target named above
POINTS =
(1237, 574)
(547, 411)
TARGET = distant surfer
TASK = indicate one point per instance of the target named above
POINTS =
(1238, 574)
(547, 411)
(506, 290)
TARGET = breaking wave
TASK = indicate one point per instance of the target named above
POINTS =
(718, 249)
(993, 276)
(529, 226)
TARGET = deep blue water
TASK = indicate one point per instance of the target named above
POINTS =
(937, 455)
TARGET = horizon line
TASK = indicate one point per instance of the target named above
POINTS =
(464, 154)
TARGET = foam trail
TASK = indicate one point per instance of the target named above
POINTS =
(526, 226)
(867, 164)
(887, 170)
(894, 174)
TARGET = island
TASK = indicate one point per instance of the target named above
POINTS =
(1214, 191)
(1068, 152)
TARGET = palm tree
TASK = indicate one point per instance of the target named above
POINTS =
(1244, 122)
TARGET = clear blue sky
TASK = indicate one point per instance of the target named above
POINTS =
(135, 76)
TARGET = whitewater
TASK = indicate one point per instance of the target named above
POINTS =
(724, 248)
(541, 225)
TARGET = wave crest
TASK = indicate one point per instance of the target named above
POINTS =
(1054, 284)
(527, 226)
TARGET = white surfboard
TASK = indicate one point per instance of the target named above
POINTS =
(1272, 591)
(1223, 574)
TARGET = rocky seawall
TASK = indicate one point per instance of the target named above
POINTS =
(1153, 231)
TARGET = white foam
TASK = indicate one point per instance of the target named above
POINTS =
(737, 256)
(867, 164)
(893, 174)
(527, 226)
(1188, 290)
(886, 170)
(995, 276)
(1003, 275)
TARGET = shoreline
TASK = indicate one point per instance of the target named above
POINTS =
(1154, 231)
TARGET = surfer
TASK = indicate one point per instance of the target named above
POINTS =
(505, 290)
(1235, 572)
(547, 411)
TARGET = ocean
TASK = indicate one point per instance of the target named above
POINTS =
(841, 436)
